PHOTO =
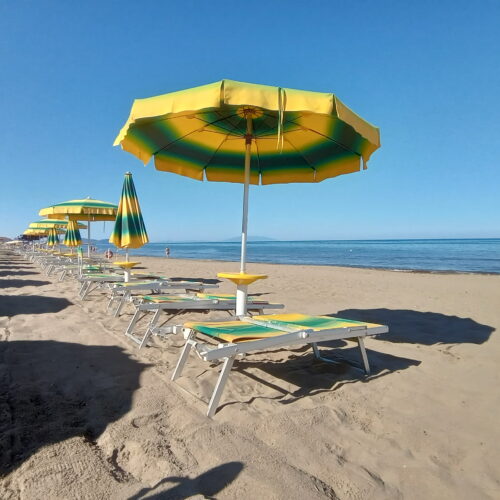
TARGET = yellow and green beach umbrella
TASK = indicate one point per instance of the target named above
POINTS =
(72, 237)
(52, 223)
(233, 131)
(87, 209)
(52, 238)
(129, 230)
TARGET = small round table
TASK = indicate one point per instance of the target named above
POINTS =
(241, 280)
(126, 266)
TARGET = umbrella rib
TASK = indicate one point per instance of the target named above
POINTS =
(193, 131)
(325, 136)
(216, 151)
(300, 154)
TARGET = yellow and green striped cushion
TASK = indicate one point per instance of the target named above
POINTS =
(238, 331)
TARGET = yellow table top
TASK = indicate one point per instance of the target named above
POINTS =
(126, 265)
(242, 278)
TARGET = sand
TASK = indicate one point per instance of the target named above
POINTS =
(85, 414)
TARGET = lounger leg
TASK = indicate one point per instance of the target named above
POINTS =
(317, 355)
(86, 290)
(133, 321)
(83, 289)
(182, 360)
(148, 332)
(121, 300)
(219, 387)
(363, 355)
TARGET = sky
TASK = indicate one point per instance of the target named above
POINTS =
(427, 73)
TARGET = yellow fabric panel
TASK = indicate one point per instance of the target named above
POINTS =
(240, 93)
(361, 126)
(346, 166)
(265, 96)
(179, 167)
(205, 96)
(227, 175)
(287, 177)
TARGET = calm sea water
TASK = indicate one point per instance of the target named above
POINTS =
(466, 255)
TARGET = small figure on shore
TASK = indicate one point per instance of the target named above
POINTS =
(108, 254)
(167, 252)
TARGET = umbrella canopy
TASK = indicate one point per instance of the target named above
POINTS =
(129, 230)
(50, 223)
(41, 231)
(72, 237)
(87, 209)
(52, 238)
(284, 135)
(295, 135)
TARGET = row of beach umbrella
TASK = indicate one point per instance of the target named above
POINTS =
(231, 131)
(129, 230)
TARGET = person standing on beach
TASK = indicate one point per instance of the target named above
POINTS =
(167, 252)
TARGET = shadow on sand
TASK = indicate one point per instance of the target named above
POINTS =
(6, 283)
(15, 267)
(52, 391)
(206, 281)
(17, 273)
(11, 305)
(207, 484)
(427, 328)
(299, 368)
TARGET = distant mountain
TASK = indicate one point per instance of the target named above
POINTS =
(251, 238)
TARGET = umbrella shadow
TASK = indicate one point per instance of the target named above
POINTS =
(427, 328)
(207, 484)
(12, 305)
(20, 283)
(205, 281)
(310, 376)
(52, 391)
(15, 267)
(17, 273)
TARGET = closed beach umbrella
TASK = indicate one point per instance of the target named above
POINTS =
(253, 134)
(53, 238)
(72, 237)
(129, 230)
(87, 209)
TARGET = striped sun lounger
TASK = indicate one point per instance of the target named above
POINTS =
(126, 292)
(174, 305)
(92, 281)
(250, 334)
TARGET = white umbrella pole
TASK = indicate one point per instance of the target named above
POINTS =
(88, 238)
(242, 290)
(126, 270)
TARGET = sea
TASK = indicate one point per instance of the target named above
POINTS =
(431, 255)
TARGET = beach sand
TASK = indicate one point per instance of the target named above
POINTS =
(85, 414)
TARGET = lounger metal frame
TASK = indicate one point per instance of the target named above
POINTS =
(227, 352)
(175, 309)
(123, 294)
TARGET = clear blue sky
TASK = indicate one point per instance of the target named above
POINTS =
(427, 73)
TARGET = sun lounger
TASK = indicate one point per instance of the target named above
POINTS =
(124, 292)
(251, 334)
(91, 282)
(174, 305)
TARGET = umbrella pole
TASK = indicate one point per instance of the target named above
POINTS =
(242, 290)
(88, 238)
